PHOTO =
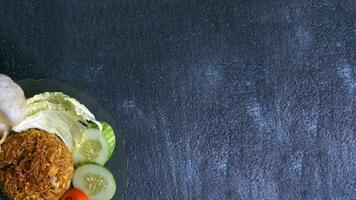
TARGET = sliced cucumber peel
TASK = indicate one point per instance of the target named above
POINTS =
(109, 135)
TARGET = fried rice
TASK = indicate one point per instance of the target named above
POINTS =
(35, 165)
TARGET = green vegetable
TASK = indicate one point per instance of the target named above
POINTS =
(109, 135)
(64, 124)
(96, 181)
(92, 125)
(92, 149)
(60, 114)
(60, 102)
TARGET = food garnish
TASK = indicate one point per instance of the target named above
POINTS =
(12, 105)
(12, 102)
(95, 180)
(74, 194)
(93, 148)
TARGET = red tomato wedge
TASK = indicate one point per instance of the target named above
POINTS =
(74, 194)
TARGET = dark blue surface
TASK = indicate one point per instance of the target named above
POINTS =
(216, 99)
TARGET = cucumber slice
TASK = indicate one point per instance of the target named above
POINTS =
(109, 135)
(93, 148)
(96, 181)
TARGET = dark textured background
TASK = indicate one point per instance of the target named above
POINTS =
(216, 99)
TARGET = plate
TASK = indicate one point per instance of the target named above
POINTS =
(118, 162)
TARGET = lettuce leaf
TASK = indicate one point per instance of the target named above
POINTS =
(64, 124)
(60, 114)
(59, 101)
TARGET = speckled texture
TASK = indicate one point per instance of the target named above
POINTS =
(216, 99)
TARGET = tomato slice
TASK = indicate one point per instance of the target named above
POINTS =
(74, 194)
